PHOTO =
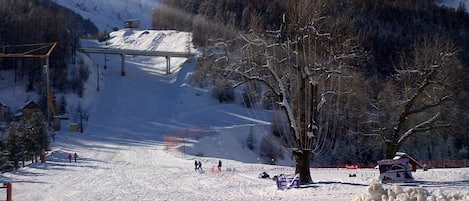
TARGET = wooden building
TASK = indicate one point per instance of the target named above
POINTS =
(29, 108)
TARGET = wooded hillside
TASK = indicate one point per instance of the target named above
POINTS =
(42, 21)
(392, 34)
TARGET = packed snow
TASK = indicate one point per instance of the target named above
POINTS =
(122, 154)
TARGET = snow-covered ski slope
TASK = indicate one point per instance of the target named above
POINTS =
(122, 154)
(168, 41)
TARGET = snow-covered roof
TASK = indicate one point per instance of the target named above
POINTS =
(400, 155)
(29, 104)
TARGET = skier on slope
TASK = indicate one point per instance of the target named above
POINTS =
(219, 165)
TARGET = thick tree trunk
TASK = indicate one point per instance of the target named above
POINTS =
(391, 150)
(302, 159)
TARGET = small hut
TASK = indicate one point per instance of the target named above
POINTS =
(132, 24)
(395, 170)
(29, 108)
(413, 163)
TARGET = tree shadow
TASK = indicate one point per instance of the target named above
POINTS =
(436, 183)
(343, 183)
(319, 184)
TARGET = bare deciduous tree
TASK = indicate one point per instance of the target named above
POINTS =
(418, 97)
(305, 70)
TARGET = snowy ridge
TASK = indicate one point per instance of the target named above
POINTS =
(455, 4)
(107, 15)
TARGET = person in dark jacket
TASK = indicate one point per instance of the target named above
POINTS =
(219, 165)
(200, 165)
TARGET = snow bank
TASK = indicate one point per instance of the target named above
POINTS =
(376, 191)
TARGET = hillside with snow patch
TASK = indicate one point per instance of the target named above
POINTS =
(123, 154)
(455, 4)
(107, 15)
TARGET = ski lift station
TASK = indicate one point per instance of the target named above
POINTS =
(132, 24)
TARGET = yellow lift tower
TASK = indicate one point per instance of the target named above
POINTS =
(40, 51)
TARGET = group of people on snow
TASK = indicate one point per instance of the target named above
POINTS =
(198, 166)
(75, 156)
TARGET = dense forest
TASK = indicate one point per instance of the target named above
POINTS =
(42, 21)
(24, 23)
(390, 34)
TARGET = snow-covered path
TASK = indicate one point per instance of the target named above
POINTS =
(109, 171)
(113, 171)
